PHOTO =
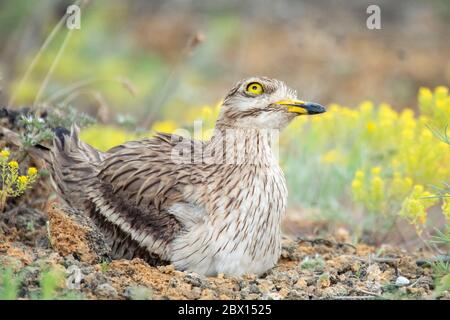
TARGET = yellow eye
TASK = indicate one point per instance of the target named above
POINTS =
(255, 88)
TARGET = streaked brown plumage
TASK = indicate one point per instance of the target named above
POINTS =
(210, 207)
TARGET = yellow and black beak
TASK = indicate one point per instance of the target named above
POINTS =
(301, 107)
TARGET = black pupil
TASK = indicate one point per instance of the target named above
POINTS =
(255, 87)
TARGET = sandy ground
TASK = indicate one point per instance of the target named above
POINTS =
(32, 241)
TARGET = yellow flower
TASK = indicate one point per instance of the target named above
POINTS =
(425, 97)
(13, 164)
(366, 107)
(371, 126)
(32, 171)
(400, 186)
(414, 211)
(376, 171)
(356, 184)
(426, 134)
(441, 92)
(206, 112)
(407, 134)
(4, 154)
(377, 185)
(358, 190)
(22, 180)
(332, 156)
(105, 137)
(359, 174)
(415, 205)
(165, 126)
(395, 163)
(408, 182)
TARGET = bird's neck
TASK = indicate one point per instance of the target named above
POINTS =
(244, 146)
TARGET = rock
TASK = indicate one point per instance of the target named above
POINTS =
(244, 292)
(335, 291)
(138, 293)
(284, 292)
(24, 257)
(324, 280)
(106, 290)
(69, 260)
(301, 284)
(401, 281)
(272, 296)
(373, 273)
(342, 235)
(11, 262)
(173, 283)
(208, 294)
(94, 279)
(167, 269)
(425, 282)
(297, 295)
(253, 287)
(30, 276)
(196, 280)
(74, 277)
(288, 250)
(194, 294)
(73, 233)
(253, 296)
(242, 284)
(226, 292)
(265, 285)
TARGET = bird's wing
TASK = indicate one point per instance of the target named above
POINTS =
(137, 186)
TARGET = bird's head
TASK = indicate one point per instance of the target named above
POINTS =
(263, 103)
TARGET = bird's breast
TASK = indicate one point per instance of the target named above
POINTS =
(240, 232)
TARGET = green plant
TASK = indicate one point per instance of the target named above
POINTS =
(104, 266)
(441, 135)
(443, 284)
(39, 129)
(50, 281)
(316, 263)
(65, 116)
(35, 131)
(441, 267)
(442, 237)
(13, 184)
(9, 284)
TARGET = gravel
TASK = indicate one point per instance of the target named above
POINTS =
(306, 270)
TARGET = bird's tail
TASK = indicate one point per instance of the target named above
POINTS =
(71, 162)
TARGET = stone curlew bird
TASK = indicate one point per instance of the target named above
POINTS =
(204, 206)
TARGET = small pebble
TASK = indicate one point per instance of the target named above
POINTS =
(273, 296)
(74, 277)
(106, 290)
(138, 293)
(401, 281)
(195, 279)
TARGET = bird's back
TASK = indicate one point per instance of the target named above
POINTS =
(125, 190)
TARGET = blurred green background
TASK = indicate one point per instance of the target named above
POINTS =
(159, 64)
(321, 48)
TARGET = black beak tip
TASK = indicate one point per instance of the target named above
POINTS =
(315, 108)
